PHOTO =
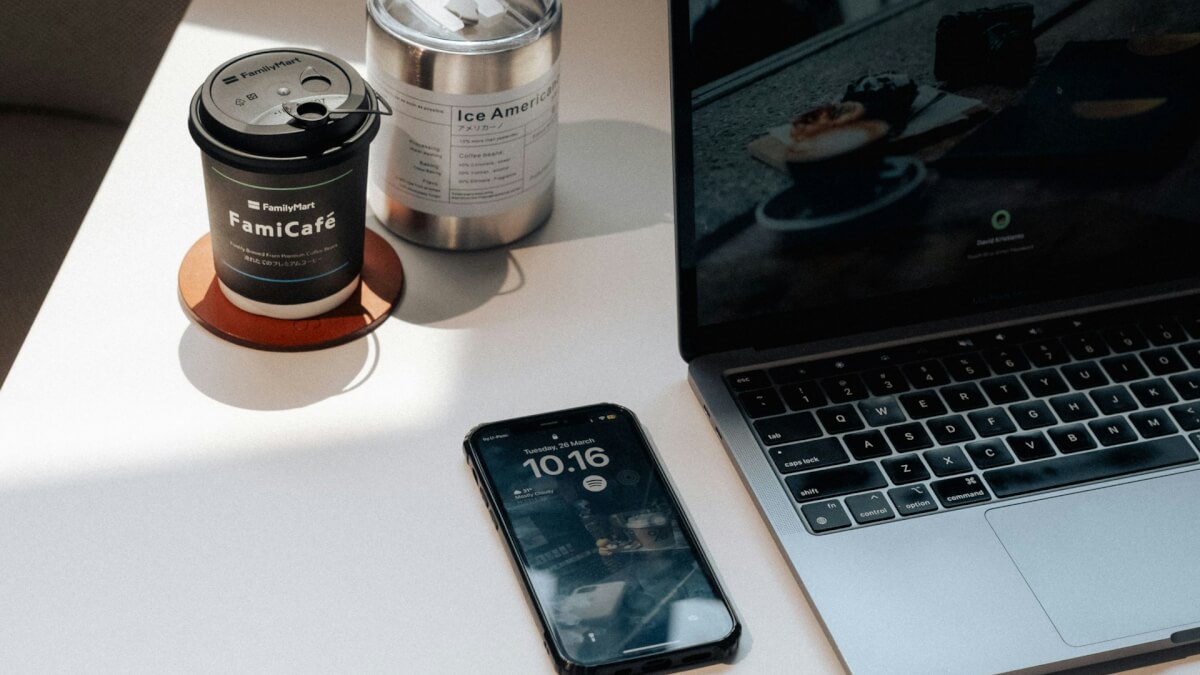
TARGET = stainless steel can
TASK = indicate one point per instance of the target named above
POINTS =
(467, 161)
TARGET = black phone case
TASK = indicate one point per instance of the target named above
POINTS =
(722, 650)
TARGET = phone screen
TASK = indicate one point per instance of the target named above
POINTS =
(607, 553)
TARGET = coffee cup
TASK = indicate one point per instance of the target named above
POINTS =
(284, 135)
(836, 163)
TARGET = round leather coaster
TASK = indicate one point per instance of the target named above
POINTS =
(382, 281)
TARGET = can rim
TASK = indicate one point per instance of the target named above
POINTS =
(382, 18)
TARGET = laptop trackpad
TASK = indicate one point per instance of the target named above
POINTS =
(1111, 562)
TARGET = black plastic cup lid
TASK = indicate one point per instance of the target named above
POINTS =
(282, 103)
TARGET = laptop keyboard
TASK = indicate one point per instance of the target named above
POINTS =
(884, 435)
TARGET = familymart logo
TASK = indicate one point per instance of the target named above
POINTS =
(280, 208)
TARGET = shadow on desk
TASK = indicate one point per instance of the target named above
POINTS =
(259, 380)
(611, 177)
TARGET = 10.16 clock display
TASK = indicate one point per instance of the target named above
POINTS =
(552, 465)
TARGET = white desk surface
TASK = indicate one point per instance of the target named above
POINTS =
(174, 503)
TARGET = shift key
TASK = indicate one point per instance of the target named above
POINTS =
(839, 480)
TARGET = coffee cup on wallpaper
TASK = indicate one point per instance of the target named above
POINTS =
(284, 135)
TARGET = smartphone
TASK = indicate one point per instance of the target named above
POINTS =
(611, 566)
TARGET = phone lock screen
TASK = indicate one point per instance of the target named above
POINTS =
(606, 552)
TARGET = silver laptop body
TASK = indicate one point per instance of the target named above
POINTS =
(867, 187)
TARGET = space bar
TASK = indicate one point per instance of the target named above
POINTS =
(1089, 466)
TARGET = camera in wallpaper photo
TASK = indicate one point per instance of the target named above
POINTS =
(893, 147)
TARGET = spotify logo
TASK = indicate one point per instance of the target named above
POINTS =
(1001, 220)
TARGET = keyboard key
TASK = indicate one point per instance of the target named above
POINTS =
(964, 397)
(809, 455)
(835, 481)
(955, 345)
(1187, 384)
(1164, 361)
(841, 365)
(881, 411)
(947, 461)
(1030, 446)
(1113, 400)
(911, 500)
(840, 419)
(1125, 339)
(1044, 353)
(1045, 382)
(867, 444)
(966, 367)
(911, 436)
(1191, 323)
(1153, 423)
(1112, 431)
(787, 429)
(991, 422)
(795, 372)
(999, 338)
(1165, 332)
(1089, 466)
(1151, 393)
(1085, 345)
(926, 374)
(1085, 375)
(1073, 407)
(989, 454)
(844, 388)
(960, 491)
(951, 429)
(869, 508)
(802, 396)
(1072, 438)
(761, 403)
(1191, 352)
(885, 382)
(1032, 331)
(1005, 361)
(1187, 415)
(1032, 415)
(1124, 368)
(905, 469)
(1003, 390)
(825, 516)
(751, 379)
(923, 404)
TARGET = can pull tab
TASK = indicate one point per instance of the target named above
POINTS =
(313, 114)
(455, 15)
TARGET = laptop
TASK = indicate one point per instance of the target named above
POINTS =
(938, 275)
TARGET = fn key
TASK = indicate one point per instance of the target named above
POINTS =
(825, 516)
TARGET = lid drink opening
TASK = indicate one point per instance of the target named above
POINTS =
(455, 15)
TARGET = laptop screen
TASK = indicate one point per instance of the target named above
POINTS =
(848, 166)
